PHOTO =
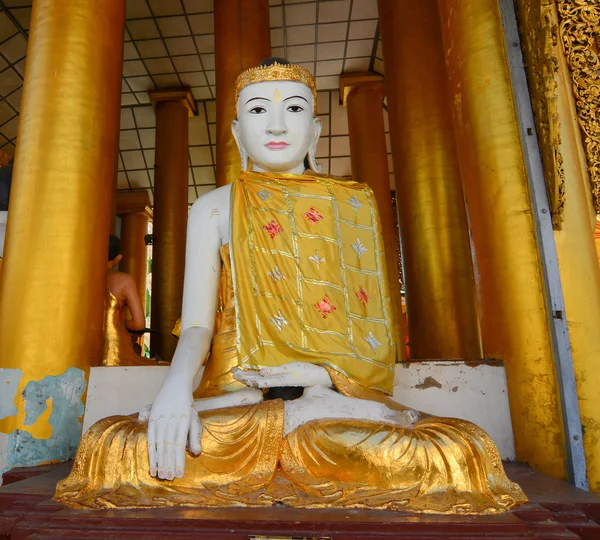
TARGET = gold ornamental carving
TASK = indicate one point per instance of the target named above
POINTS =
(579, 29)
(538, 24)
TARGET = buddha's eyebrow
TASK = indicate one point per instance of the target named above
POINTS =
(292, 97)
(252, 99)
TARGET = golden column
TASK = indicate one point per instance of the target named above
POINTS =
(439, 280)
(242, 41)
(362, 94)
(579, 272)
(173, 109)
(134, 209)
(514, 311)
(54, 274)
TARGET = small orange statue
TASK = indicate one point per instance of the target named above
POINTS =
(122, 297)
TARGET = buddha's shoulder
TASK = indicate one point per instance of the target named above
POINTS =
(212, 200)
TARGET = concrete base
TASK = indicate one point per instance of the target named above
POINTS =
(121, 390)
(472, 391)
(442, 388)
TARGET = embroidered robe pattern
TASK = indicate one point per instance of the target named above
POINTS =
(282, 221)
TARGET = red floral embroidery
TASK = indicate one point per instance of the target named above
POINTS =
(273, 228)
(363, 295)
(313, 215)
(325, 307)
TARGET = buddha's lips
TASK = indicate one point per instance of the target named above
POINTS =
(277, 145)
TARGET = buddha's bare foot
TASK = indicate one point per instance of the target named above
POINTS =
(407, 418)
(320, 403)
(144, 414)
(300, 374)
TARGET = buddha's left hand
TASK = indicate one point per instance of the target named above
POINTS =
(301, 374)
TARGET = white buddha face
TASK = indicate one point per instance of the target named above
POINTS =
(276, 128)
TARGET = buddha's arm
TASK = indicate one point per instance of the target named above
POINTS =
(172, 416)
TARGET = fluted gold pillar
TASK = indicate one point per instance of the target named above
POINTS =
(439, 280)
(242, 41)
(54, 273)
(363, 96)
(515, 321)
(580, 274)
(134, 209)
(170, 215)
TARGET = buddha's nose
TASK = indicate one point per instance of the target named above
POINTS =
(276, 125)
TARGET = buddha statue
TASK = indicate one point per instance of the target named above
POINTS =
(122, 299)
(285, 288)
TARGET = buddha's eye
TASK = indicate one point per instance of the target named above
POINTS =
(258, 110)
(295, 108)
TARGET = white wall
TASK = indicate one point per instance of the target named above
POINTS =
(476, 393)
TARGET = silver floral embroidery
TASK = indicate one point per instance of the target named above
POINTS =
(355, 203)
(276, 274)
(359, 248)
(279, 321)
(372, 340)
(316, 259)
(264, 194)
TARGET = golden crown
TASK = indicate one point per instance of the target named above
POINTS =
(276, 72)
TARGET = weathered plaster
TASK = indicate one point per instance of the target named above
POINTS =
(63, 392)
(472, 391)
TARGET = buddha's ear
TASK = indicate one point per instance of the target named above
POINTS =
(312, 160)
(235, 129)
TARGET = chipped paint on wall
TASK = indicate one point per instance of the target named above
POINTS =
(62, 395)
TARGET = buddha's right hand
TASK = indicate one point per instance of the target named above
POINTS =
(173, 422)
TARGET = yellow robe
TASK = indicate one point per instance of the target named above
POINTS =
(442, 465)
(310, 276)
